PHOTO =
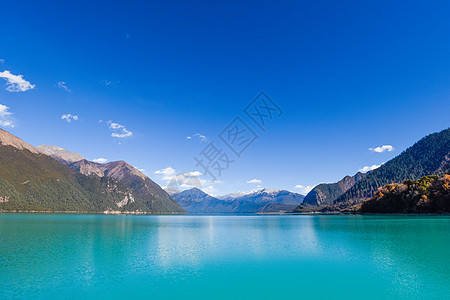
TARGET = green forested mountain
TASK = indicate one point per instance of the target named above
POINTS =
(33, 181)
(430, 155)
(326, 193)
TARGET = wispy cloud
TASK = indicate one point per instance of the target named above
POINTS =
(16, 83)
(2, 60)
(201, 137)
(118, 130)
(100, 160)
(110, 82)
(63, 86)
(69, 118)
(254, 181)
(304, 189)
(382, 149)
(5, 117)
(369, 168)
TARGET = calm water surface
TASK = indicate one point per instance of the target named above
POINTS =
(224, 257)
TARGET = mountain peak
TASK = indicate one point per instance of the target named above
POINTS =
(187, 198)
(120, 169)
(7, 139)
(269, 191)
(194, 191)
(232, 196)
(326, 193)
(60, 154)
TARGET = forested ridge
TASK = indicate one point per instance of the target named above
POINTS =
(429, 156)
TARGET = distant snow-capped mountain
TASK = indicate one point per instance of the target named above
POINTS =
(232, 196)
(197, 201)
(274, 195)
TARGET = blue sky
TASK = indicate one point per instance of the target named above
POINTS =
(348, 75)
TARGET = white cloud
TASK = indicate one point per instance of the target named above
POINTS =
(210, 190)
(141, 170)
(2, 60)
(188, 185)
(16, 83)
(186, 180)
(5, 117)
(382, 149)
(201, 137)
(125, 133)
(69, 118)
(100, 160)
(304, 189)
(195, 173)
(114, 125)
(119, 131)
(369, 168)
(63, 86)
(254, 181)
(167, 172)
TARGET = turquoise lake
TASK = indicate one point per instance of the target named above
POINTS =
(224, 257)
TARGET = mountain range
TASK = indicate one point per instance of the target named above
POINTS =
(197, 201)
(49, 178)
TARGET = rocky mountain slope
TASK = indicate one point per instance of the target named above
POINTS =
(7, 139)
(326, 193)
(60, 154)
(142, 186)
